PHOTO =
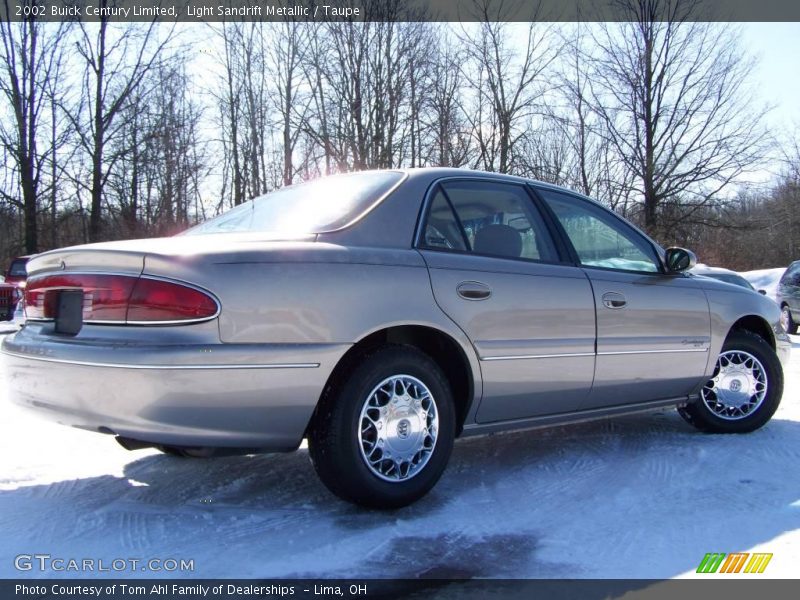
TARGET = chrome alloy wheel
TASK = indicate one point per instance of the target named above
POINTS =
(398, 427)
(738, 386)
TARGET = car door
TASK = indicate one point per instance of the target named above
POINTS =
(653, 328)
(497, 272)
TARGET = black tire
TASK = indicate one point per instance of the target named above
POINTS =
(786, 318)
(703, 418)
(333, 438)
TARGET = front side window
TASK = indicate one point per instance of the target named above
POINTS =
(600, 239)
(487, 218)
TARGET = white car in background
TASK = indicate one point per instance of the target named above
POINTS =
(725, 275)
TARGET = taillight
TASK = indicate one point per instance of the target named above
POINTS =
(105, 297)
(119, 299)
(154, 300)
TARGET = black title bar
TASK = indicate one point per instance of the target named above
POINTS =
(325, 589)
(398, 10)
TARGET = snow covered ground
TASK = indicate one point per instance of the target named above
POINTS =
(635, 497)
(765, 279)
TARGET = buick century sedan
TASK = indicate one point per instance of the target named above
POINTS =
(382, 314)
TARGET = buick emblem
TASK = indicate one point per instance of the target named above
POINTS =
(736, 385)
(403, 429)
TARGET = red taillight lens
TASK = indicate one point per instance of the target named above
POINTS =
(105, 297)
(119, 299)
(154, 300)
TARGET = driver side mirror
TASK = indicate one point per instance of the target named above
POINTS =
(679, 260)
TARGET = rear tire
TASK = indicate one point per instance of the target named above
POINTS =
(787, 321)
(381, 438)
(744, 391)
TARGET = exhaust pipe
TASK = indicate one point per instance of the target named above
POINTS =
(131, 444)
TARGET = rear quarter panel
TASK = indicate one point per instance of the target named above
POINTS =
(317, 294)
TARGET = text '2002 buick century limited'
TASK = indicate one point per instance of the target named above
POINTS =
(382, 314)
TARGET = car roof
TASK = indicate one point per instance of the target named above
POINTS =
(433, 173)
(439, 172)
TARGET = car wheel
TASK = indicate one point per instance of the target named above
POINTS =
(382, 438)
(744, 391)
(787, 321)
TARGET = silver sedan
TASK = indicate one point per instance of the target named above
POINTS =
(381, 315)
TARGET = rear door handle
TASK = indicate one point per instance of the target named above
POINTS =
(614, 300)
(473, 290)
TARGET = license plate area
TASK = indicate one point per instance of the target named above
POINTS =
(69, 314)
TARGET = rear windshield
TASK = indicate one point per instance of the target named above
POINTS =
(318, 206)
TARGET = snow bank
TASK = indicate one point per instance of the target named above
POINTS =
(765, 279)
(640, 496)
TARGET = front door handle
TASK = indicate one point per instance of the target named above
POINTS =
(473, 290)
(614, 300)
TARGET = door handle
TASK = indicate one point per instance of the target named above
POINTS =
(473, 290)
(614, 300)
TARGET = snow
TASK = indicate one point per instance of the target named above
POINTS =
(635, 497)
(765, 279)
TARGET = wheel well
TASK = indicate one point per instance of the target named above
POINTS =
(755, 325)
(438, 345)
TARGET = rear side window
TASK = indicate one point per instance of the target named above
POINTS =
(487, 218)
(442, 229)
(319, 206)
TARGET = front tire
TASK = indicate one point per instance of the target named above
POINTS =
(744, 391)
(382, 437)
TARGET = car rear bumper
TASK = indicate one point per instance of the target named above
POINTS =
(220, 395)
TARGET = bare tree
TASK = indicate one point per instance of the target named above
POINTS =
(287, 91)
(671, 94)
(155, 182)
(507, 84)
(243, 98)
(442, 118)
(116, 60)
(32, 55)
(594, 165)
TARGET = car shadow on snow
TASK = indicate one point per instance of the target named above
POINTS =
(589, 500)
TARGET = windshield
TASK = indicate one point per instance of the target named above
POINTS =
(318, 206)
(18, 269)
